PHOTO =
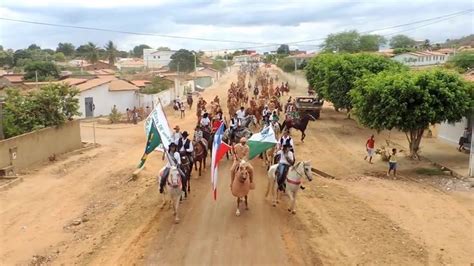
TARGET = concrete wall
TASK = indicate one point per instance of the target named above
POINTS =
(452, 132)
(151, 100)
(37, 146)
(204, 82)
(104, 100)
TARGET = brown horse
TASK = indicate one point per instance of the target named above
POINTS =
(200, 154)
(299, 124)
(241, 183)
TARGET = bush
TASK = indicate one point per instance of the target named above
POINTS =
(45, 70)
(115, 115)
(51, 105)
(286, 64)
(157, 85)
(463, 60)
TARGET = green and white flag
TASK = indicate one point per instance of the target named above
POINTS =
(261, 142)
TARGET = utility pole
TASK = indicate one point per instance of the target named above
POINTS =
(36, 78)
(295, 72)
(2, 136)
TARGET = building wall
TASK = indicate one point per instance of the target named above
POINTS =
(37, 146)
(452, 132)
(151, 100)
(412, 60)
(104, 100)
(156, 59)
(204, 82)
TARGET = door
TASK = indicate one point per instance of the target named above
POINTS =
(89, 106)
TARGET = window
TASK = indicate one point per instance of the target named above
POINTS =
(154, 57)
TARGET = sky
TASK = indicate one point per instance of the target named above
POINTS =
(266, 22)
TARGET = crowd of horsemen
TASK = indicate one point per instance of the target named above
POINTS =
(249, 105)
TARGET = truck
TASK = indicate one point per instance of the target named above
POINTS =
(309, 104)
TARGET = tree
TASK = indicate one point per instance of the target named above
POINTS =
(82, 50)
(283, 49)
(371, 43)
(20, 54)
(6, 58)
(157, 85)
(182, 60)
(463, 60)
(123, 54)
(51, 105)
(426, 45)
(410, 101)
(138, 50)
(111, 52)
(163, 48)
(286, 64)
(218, 65)
(66, 48)
(333, 76)
(92, 53)
(34, 47)
(45, 71)
(59, 57)
(402, 41)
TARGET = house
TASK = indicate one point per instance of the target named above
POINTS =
(11, 80)
(425, 58)
(102, 72)
(215, 74)
(125, 64)
(245, 58)
(300, 58)
(203, 79)
(156, 58)
(141, 83)
(98, 96)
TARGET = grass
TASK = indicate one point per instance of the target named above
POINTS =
(429, 171)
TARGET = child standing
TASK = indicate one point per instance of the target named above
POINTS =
(392, 162)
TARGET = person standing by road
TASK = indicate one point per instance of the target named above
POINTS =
(392, 163)
(370, 148)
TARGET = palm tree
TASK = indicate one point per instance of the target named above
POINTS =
(111, 51)
(92, 53)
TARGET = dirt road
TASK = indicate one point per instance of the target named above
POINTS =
(84, 209)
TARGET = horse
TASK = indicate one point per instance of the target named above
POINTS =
(292, 182)
(189, 100)
(299, 124)
(248, 121)
(241, 183)
(238, 134)
(173, 190)
(200, 154)
(187, 169)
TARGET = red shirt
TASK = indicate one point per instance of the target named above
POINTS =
(215, 125)
(370, 143)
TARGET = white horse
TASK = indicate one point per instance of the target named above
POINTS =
(173, 189)
(293, 182)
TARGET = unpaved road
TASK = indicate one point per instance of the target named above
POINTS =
(360, 217)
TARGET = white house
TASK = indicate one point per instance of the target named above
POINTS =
(426, 58)
(452, 132)
(156, 58)
(98, 96)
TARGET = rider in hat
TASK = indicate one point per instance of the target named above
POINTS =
(286, 140)
(287, 159)
(185, 146)
(266, 114)
(241, 152)
(205, 122)
(241, 114)
(174, 159)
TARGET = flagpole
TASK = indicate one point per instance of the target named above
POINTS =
(165, 149)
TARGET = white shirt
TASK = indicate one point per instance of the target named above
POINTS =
(190, 149)
(205, 121)
(177, 158)
(176, 136)
(240, 114)
(283, 140)
(265, 112)
(283, 158)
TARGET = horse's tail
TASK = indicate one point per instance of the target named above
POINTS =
(270, 183)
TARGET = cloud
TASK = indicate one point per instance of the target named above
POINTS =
(263, 21)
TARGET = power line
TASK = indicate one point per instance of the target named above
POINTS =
(126, 32)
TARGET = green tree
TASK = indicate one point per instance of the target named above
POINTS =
(45, 70)
(403, 50)
(463, 60)
(163, 48)
(51, 105)
(59, 57)
(333, 76)
(82, 50)
(138, 50)
(183, 60)
(123, 54)
(283, 49)
(6, 58)
(426, 44)
(371, 42)
(218, 65)
(157, 85)
(402, 41)
(111, 51)
(286, 64)
(34, 47)
(115, 115)
(410, 101)
(92, 53)
(66, 48)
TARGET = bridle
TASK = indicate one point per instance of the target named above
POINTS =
(305, 174)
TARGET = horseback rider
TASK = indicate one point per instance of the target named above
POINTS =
(286, 140)
(174, 159)
(255, 90)
(241, 115)
(185, 146)
(198, 134)
(287, 159)
(241, 152)
(234, 123)
(266, 114)
(205, 122)
(274, 118)
(176, 135)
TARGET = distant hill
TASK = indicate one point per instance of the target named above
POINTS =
(463, 41)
